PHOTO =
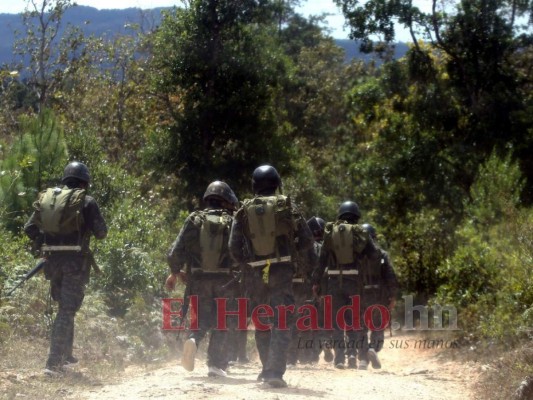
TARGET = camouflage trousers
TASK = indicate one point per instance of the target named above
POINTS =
(209, 287)
(376, 338)
(238, 340)
(304, 345)
(68, 276)
(272, 344)
(345, 342)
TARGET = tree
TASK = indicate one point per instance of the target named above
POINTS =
(39, 47)
(34, 160)
(475, 41)
(219, 69)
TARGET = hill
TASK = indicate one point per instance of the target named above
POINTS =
(111, 22)
(91, 21)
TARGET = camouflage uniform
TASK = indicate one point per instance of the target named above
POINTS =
(272, 345)
(304, 346)
(343, 282)
(68, 273)
(185, 254)
(380, 288)
(238, 340)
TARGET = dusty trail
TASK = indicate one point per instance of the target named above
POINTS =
(407, 374)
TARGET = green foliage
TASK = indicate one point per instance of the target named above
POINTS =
(489, 275)
(496, 191)
(25, 312)
(222, 73)
(133, 255)
(33, 160)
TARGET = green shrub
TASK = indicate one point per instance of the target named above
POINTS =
(133, 256)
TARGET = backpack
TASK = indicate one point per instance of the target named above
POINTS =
(345, 240)
(268, 217)
(213, 238)
(61, 210)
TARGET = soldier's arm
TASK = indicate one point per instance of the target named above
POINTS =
(95, 221)
(323, 258)
(388, 276)
(310, 264)
(31, 227)
(305, 239)
(179, 253)
(32, 230)
(237, 241)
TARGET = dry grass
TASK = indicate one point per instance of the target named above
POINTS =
(104, 346)
(503, 370)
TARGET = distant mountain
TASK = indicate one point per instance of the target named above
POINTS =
(351, 48)
(111, 22)
(91, 21)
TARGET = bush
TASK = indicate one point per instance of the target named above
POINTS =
(489, 275)
(133, 256)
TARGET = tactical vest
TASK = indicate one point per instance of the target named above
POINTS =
(269, 217)
(214, 232)
(61, 210)
(345, 240)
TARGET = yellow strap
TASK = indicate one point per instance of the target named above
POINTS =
(266, 271)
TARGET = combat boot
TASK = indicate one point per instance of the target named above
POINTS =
(374, 359)
(189, 352)
(328, 355)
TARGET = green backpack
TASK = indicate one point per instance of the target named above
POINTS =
(268, 217)
(214, 230)
(61, 210)
(345, 240)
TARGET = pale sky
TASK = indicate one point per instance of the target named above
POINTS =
(309, 7)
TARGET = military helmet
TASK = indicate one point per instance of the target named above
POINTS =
(221, 190)
(349, 208)
(370, 229)
(316, 225)
(78, 170)
(265, 177)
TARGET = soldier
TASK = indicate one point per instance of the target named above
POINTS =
(341, 258)
(61, 227)
(380, 288)
(267, 237)
(200, 256)
(300, 348)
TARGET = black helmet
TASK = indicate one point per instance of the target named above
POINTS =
(221, 191)
(265, 177)
(76, 170)
(371, 230)
(316, 225)
(349, 210)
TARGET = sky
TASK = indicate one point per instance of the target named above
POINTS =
(335, 21)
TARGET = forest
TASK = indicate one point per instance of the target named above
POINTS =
(435, 147)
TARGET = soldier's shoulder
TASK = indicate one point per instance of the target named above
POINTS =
(196, 216)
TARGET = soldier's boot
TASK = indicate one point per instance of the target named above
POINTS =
(363, 364)
(328, 355)
(374, 359)
(189, 352)
(54, 372)
(352, 363)
(215, 371)
(70, 361)
(274, 380)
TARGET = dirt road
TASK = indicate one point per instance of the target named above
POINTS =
(411, 370)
